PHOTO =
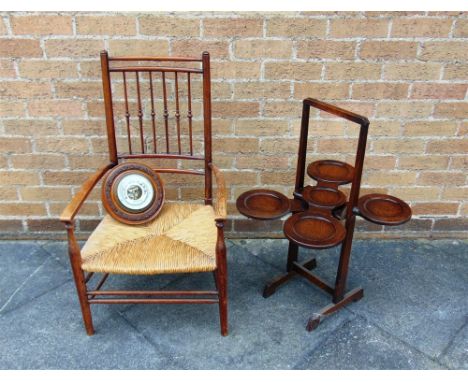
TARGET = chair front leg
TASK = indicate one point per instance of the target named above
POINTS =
(78, 275)
(221, 277)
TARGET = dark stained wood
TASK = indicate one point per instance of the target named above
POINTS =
(125, 69)
(127, 114)
(153, 113)
(345, 253)
(107, 91)
(179, 171)
(384, 209)
(153, 293)
(304, 272)
(140, 113)
(324, 197)
(335, 110)
(207, 126)
(177, 112)
(166, 112)
(160, 156)
(331, 171)
(263, 204)
(79, 278)
(352, 296)
(156, 301)
(300, 170)
(297, 205)
(271, 287)
(221, 277)
(317, 211)
(314, 229)
(189, 111)
(152, 58)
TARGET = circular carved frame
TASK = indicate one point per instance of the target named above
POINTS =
(117, 208)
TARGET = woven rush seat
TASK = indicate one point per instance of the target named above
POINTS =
(181, 239)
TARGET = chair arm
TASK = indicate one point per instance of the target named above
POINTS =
(220, 204)
(73, 207)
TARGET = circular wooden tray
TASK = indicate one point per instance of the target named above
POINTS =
(263, 204)
(314, 229)
(324, 197)
(331, 171)
(384, 209)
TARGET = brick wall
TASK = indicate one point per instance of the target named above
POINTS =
(407, 72)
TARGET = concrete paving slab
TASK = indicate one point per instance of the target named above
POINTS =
(48, 334)
(456, 355)
(413, 289)
(358, 344)
(27, 271)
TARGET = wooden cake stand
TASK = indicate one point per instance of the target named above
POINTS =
(322, 217)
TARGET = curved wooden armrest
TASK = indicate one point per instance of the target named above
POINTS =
(220, 204)
(73, 207)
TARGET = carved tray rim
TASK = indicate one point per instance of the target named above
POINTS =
(331, 241)
(367, 214)
(314, 173)
(321, 187)
(284, 209)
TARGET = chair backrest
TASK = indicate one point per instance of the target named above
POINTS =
(150, 127)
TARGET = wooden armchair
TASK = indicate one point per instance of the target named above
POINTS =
(184, 237)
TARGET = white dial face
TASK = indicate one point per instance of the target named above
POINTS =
(135, 192)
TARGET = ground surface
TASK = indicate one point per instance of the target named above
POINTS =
(414, 314)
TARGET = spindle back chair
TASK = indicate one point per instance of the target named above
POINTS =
(112, 67)
(180, 227)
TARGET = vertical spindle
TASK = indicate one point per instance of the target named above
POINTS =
(177, 112)
(127, 114)
(153, 114)
(166, 114)
(140, 113)
(189, 113)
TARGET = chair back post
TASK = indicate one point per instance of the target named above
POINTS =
(108, 107)
(207, 126)
(302, 152)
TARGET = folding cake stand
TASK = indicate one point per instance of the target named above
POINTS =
(322, 217)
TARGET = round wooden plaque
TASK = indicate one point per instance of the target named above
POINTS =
(263, 204)
(384, 209)
(331, 171)
(132, 193)
(314, 229)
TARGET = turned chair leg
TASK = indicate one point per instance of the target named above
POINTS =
(84, 303)
(86, 312)
(221, 285)
(221, 278)
(80, 282)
